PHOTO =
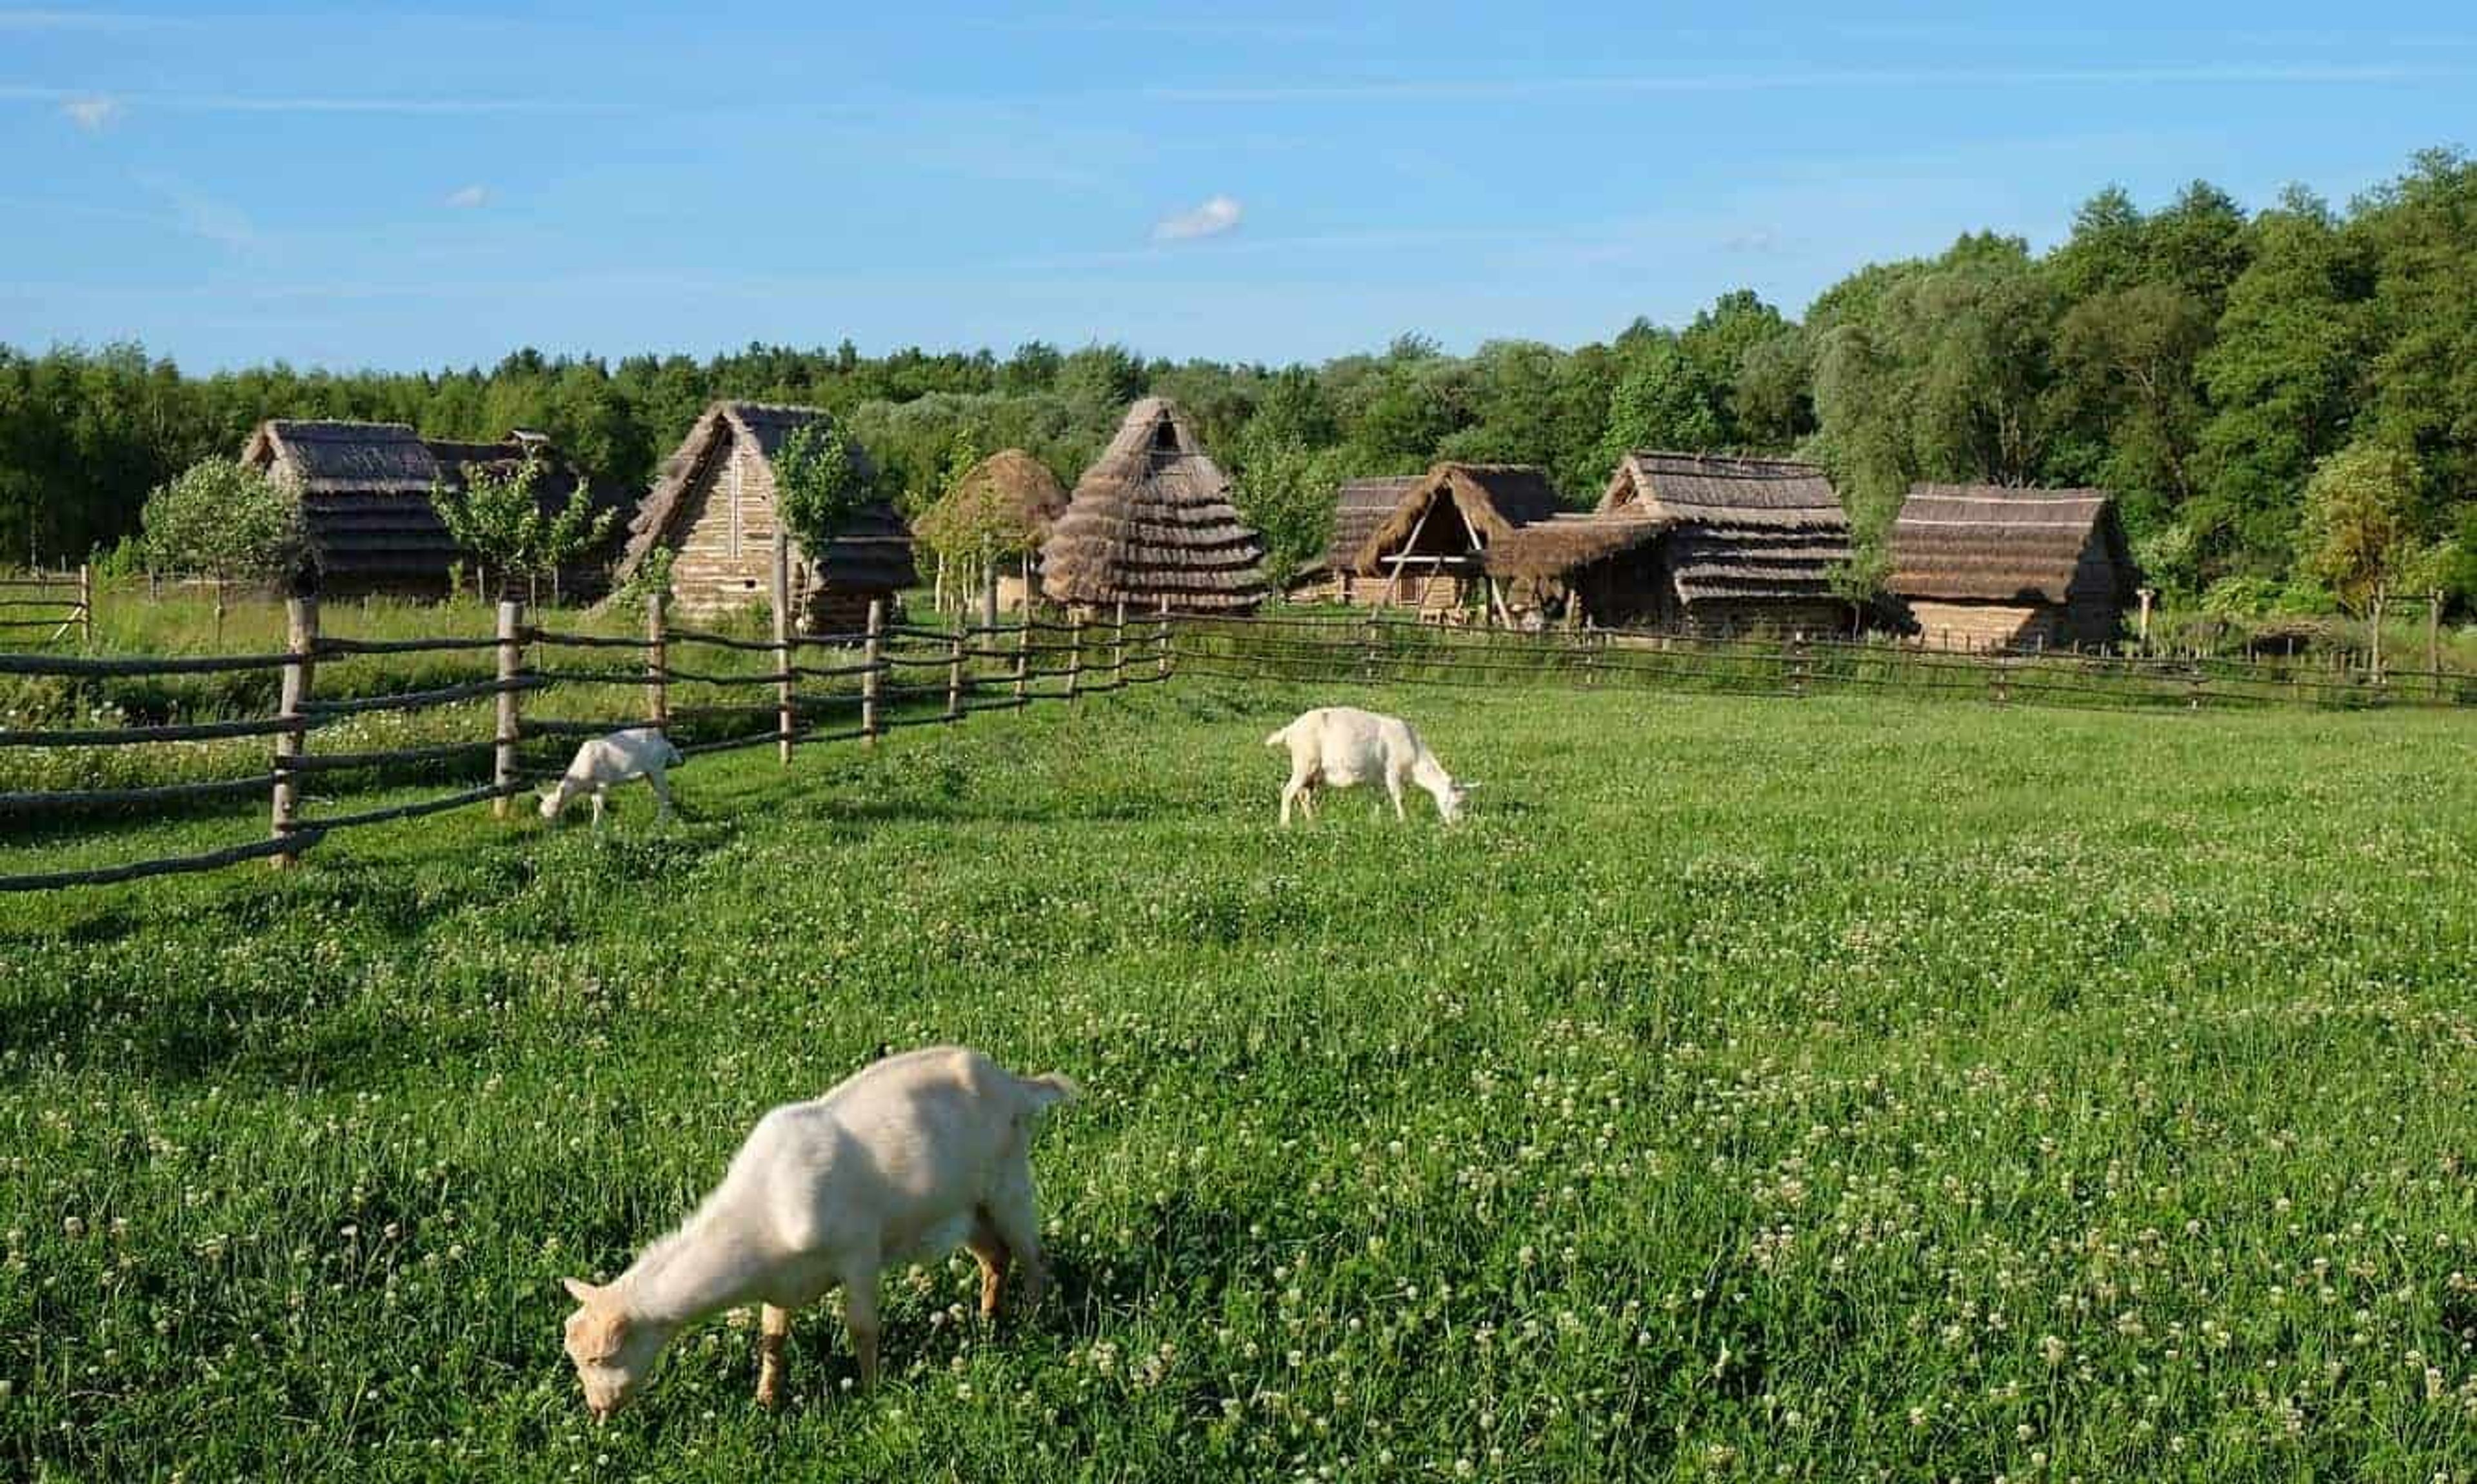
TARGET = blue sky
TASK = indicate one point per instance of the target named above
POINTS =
(341, 186)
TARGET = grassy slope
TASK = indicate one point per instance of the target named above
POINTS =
(1753, 1084)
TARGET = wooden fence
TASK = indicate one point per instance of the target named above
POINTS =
(47, 608)
(815, 688)
(1376, 648)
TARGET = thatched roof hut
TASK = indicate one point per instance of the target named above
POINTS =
(364, 490)
(712, 505)
(1151, 523)
(1985, 565)
(1359, 507)
(1694, 540)
(1429, 547)
(1009, 498)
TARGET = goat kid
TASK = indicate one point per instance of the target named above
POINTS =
(1341, 747)
(640, 752)
(908, 1158)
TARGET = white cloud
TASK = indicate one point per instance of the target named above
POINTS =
(471, 198)
(91, 115)
(1217, 215)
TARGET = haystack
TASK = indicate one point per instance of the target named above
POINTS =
(1151, 524)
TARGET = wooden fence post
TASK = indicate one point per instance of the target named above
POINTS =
(1023, 660)
(1161, 640)
(1118, 645)
(2434, 642)
(784, 721)
(502, 737)
(300, 670)
(871, 664)
(1075, 658)
(658, 663)
(988, 590)
(86, 605)
(955, 667)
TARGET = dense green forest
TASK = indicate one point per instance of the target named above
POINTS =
(2195, 358)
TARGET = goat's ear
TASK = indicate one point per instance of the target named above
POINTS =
(579, 1290)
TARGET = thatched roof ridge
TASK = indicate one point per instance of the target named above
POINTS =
(1566, 543)
(1725, 490)
(1152, 521)
(1992, 543)
(327, 457)
(1496, 499)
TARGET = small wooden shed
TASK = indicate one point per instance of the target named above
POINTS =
(1359, 507)
(1982, 566)
(1003, 508)
(1151, 524)
(712, 505)
(1429, 551)
(1691, 541)
(364, 491)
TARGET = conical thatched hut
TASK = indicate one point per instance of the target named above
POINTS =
(364, 491)
(1428, 550)
(1000, 512)
(714, 507)
(1979, 565)
(1151, 523)
(1694, 542)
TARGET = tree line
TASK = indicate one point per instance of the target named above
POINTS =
(2198, 358)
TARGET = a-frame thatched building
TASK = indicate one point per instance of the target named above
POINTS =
(1692, 541)
(712, 505)
(999, 513)
(1429, 551)
(364, 491)
(1151, 524)
(1982, 566)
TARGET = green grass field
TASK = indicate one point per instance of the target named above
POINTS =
(1829, 1089)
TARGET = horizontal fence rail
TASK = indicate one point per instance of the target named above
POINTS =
(815, 687)
(546, 687)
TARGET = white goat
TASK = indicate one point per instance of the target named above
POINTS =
(1340, 746)
(906, 1158)
(640, 752)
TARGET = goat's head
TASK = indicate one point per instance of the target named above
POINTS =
(553, 799)
(612, 1351)
(1451, 802)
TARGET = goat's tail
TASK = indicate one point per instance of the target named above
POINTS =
(1048, 1090)
(1280, 737)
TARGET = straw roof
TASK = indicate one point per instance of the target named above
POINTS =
(1741, 529)
(1011, 494)
(1495, 499)
(1151, 522)
(1988, 543)
(1566, 543)
(873, 552)
(1359, 507)
(364, 491)
(1708, 489)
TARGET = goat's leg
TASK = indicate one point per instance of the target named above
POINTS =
(598, 799)
(1307, 803)
(774, 1328)
(1393, 788)
(662, 787)
(1011, 1213)
(860, 1315)
(990, 1250)
(1290, 791)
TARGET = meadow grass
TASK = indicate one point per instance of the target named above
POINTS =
(1833, 1089)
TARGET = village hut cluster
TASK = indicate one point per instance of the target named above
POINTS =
(1678, 541)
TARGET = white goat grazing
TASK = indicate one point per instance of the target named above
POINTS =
(908, 1158)
(640, 752)
(1340, 745)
